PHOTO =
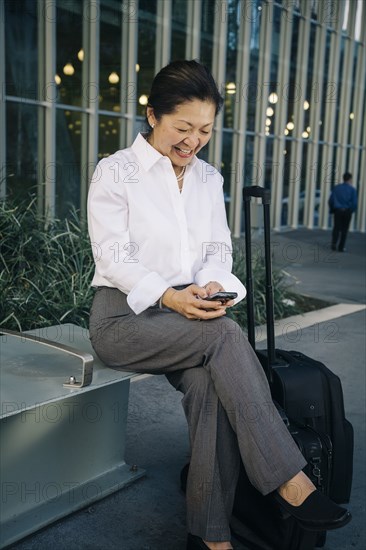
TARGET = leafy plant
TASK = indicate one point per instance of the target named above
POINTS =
(285, 302)
(45, 269)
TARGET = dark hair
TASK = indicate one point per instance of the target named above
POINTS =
(347, 176)
(182, 81)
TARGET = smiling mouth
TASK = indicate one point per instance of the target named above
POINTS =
(183, 152)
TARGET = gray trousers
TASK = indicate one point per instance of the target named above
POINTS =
(226, 401)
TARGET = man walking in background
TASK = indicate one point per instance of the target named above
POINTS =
(342, 203)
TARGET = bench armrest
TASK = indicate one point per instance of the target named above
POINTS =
(86, 358)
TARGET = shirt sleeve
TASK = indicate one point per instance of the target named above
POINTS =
(217, 254)
(116, 257)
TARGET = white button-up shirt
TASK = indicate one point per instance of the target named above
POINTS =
(147, 236)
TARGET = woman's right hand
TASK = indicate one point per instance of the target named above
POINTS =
(190, 303)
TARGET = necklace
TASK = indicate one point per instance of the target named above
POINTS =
(180, 176)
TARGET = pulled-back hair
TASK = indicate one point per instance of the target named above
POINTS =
(179, 82)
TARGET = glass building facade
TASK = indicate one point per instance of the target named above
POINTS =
(75, 75)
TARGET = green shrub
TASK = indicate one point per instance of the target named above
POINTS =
(46, 271)
(285, 302)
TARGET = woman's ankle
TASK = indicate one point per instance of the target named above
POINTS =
(297, 489)
(218, 545)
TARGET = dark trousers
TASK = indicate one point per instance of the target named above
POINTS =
(342, 219)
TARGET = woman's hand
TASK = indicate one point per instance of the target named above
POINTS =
(191, 304)
(213, 286)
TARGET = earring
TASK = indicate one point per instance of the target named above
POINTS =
(152, 126)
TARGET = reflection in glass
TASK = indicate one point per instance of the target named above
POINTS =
(21, 152)
(110, 76)
(179, 22)
(231, 95)
(226, 163)
(69, 32)
(109, 130)
(21, 48)
(207, 27)
(250, 176)
(146, 50)
(69, 126)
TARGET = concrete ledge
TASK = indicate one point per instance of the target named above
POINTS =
(299, 322)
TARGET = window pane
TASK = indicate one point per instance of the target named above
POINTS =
(179, 22)
(68, 160)
(146, 52)
(109, 130)
(110, 55)
(21, 48)
(226, 167)
(70, 54)
(232, 49)
(22, 130)
(209, 9)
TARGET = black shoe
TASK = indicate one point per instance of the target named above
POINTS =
(317, 512)
(195, 543)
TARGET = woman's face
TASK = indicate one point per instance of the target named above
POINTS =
(182, 134)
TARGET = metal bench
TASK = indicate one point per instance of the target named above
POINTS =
(63, 428)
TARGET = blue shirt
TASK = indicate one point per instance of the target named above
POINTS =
(343, 196)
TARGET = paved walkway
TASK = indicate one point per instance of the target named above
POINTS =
(150, 514)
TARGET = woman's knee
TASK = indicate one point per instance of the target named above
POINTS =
(195, 379)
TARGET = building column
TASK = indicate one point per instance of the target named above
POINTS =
(3, 168)
(163, 33)
(265, 40)
(193, 29)
(49, 102)
(358, 145)
(345, 93)
(90, 100)
(239, 126)
(315, 115)
(279, 140)
(302, 61)
(330, 112)
(128, 75)
(219, 74)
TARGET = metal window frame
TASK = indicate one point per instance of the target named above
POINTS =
(355, 150)
(239, 126)
(279, 143)
(193, 29)
(358, 132)
(49, 29)
(345, 95)
(265, 41)
(330, 112)
(2, 104)
(315, 113)
(128, 75)
(301, 82)
(90, 100)
(219, 72)
(163, 33)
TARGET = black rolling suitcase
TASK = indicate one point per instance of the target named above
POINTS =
(309, 397)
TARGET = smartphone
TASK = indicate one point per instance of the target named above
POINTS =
(222, 296)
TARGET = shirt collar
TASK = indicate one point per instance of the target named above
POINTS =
(147, 155)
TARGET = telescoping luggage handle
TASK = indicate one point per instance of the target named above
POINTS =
(86, 358)
(265, 195)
